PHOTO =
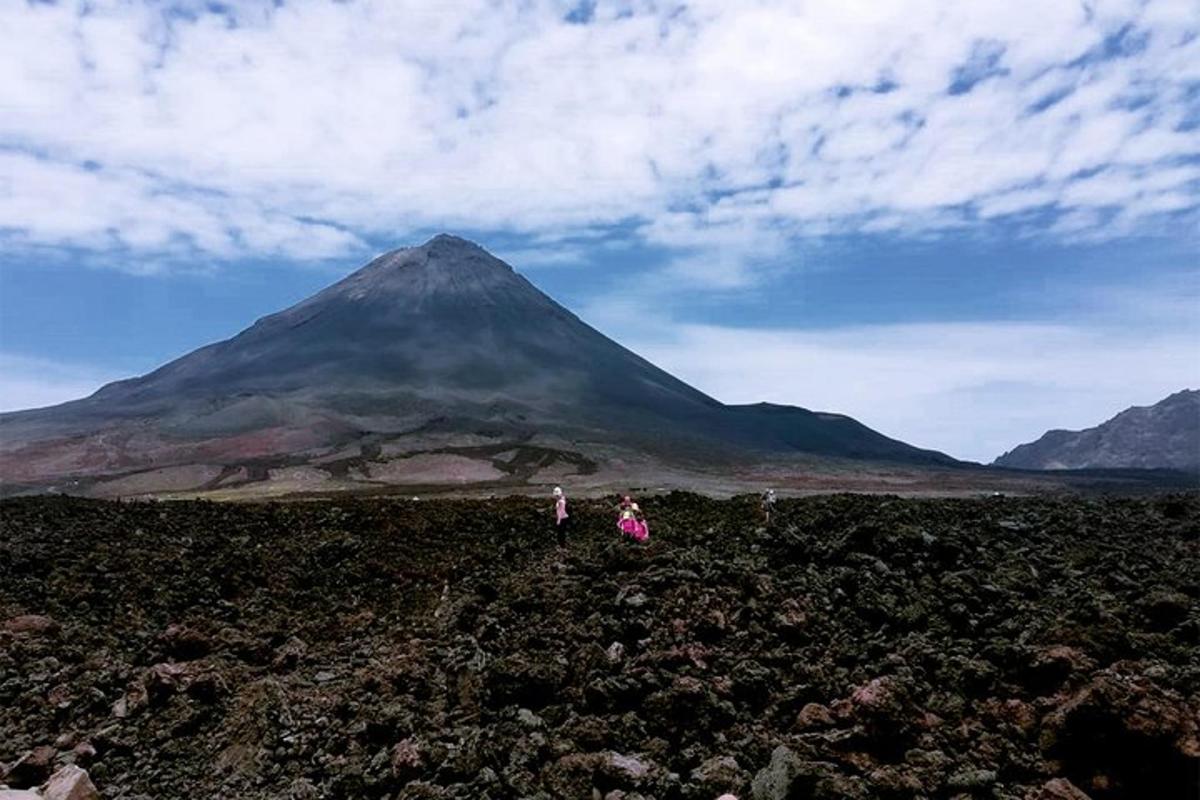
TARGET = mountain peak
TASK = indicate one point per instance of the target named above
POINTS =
(442, 247)
(445, 263)
(446, 247)
(449, 240)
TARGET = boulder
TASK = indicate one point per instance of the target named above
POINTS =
(1049, 667)
(876, 696)
(407, 761)
(32, 624)
(163, 680)
(1123, 710)
(631, 767)
(881, 705)
(185, 643)
(812, 716)
(70, 783)
(719, 773)
(788, 776)
(303, 789)
(718, 770)
(1129, 702)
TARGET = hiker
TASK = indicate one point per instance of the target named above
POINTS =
(562, 519)
(631, 522)
(768, 505)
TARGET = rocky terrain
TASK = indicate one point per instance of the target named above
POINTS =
(1165, 435)
(856, 647)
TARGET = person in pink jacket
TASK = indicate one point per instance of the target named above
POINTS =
(631, 522)
(562, 519)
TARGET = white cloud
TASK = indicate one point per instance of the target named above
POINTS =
(543, 257)
(36, 382)
(301, 128)
(50, 203)
(971, 389)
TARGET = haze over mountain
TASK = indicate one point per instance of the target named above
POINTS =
(430, 350)
(1165, 435)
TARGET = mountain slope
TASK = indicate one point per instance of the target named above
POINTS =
(1165, 435)
(442, 339)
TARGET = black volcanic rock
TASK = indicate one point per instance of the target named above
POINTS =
(443, 336)
(1165, 435)
(365, 648)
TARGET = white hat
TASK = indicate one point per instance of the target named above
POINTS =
(557, 491)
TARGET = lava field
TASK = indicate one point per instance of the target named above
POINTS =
(856, 647)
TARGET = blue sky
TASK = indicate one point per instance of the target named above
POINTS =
(961, 223)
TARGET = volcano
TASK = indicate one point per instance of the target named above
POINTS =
(430, 364)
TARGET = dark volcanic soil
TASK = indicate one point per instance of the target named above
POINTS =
(859, 647)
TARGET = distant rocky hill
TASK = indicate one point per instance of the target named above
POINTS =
(436, 364)
(1165, 435)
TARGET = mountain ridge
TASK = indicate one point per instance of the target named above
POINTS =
(1164, 435)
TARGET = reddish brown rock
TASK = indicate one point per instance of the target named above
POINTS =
(1142, 709)
(881, 704)
(718, 773)
(60, 696)
(185, 643)
(1123, 710)
(32, 624)
(574, 774)
(812, 716)
(878, 694)
(406, 760)
(163, 680)
(1058, 789)
(1014, 712)
(1050, 667)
